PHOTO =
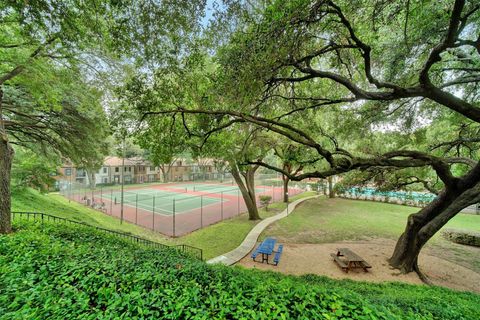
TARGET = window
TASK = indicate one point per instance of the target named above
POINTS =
(152, 168)
(116, 169)
(129, 169)
(104, 170)
(68, 171)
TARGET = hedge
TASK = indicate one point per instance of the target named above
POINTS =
(76, 273)
(467, 237)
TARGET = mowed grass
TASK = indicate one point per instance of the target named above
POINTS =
(55, 204)
(214, 240)
(324, 220)
(227, 235)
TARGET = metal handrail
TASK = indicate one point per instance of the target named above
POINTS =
(182, 248)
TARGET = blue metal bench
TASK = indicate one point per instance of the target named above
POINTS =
(276, 259)
(255, 253)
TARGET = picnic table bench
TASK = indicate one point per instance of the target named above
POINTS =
(266, 248)
(347, 259)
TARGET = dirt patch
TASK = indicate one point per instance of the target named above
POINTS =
(301, 259)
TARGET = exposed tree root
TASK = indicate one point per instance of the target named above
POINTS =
(421, 275)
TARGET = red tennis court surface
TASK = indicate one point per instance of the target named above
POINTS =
(164, 207)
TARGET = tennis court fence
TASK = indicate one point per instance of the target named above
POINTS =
(173, 209)
(41, 217)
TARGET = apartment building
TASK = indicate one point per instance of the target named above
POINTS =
(72, 174)
(144, 170)
(111, 171)
(138, 170)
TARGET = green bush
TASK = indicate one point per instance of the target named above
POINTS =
(76, 273)
(265, 201)
(467, 237)
(69, 272)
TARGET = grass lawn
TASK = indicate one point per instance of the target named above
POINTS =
(214, 240)
(227, 235)
(55, 204)
(326, 220)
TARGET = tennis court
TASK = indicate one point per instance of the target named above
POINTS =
(174, 208)
(227, 189)
(161, 201)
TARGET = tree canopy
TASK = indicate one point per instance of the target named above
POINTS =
(56, 64)
(384, 91)
(372, 91)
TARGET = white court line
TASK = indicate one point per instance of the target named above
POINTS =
(150, 207)
(187, 198)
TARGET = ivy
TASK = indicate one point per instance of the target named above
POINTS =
(73, 273)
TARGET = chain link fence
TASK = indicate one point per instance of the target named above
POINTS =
(409, 198)
(175, 209)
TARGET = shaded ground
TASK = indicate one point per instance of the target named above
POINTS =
(319, 226)
(332, 220)
(301, 259)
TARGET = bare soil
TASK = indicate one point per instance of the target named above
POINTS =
(298, 259)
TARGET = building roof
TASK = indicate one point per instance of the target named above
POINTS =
(140, 161)
(113, 161)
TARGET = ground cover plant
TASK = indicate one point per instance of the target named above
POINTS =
(65, 272)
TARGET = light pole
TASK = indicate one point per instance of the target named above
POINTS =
(123, 176)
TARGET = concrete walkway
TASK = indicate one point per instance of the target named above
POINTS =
(250, 240)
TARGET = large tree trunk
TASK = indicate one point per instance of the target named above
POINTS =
(331, 192)
(286, 180)
(6, 156)
(91, 179)
(288, 168)
(247, 189)
(421, 226)
(164, 173)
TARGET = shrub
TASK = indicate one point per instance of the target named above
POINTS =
(467, 237)
(265, 201)
(69, 272)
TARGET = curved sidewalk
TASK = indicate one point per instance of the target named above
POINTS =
(250, 240)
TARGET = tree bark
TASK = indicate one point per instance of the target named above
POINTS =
(286, 180)
(421, 226)
(164, 173)
(91, 179)
(247, 189)
(6, 157)
(331, 193)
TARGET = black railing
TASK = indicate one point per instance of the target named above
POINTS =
(182, 248)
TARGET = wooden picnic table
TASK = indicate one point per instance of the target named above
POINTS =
(347, 259)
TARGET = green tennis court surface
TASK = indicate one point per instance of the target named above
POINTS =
(162, 202)
(228, 189)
